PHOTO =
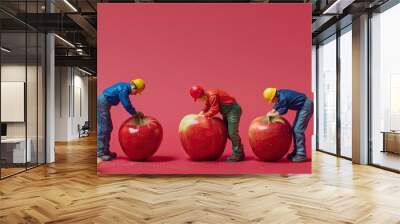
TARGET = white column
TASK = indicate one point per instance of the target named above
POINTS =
(50, 92)
(360, 90)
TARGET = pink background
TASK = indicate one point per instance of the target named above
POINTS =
(241, 48)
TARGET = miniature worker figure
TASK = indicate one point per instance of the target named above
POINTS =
(218, 101)
(285, 100)
(111, 96)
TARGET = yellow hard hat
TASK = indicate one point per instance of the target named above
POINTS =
(139, 84)
(269, 94)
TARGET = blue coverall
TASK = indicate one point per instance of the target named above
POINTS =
(292, 100)
(111, 96)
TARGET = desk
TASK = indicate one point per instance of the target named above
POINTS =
(13, 150)
(391, 141)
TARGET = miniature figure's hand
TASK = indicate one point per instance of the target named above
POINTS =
(272, 113)
(207, 116)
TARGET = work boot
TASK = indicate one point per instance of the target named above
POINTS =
(291, 155)
(237, 155)
(106, 158)
(299, 158)
(108, 155)
(113, 155)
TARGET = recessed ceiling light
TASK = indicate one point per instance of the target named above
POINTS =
(64, 40)
(84, 71)
(338, 6)
(70, 5)
(5, 50)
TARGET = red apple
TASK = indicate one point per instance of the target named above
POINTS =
(270, 137)
(202, 138)
(140, 137)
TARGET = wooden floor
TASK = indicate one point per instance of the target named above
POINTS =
(5, 172)
(70, 191)
(387, 159)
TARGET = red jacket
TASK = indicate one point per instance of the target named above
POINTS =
(216, 97)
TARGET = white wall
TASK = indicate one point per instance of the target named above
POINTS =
(71, 102)
(80, 110)
(33, 127)
(61, 103)
(12, 73)
(9, 73)
(16, 73)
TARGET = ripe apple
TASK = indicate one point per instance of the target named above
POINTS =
(140, 137)
(270, 137)
(202, 138)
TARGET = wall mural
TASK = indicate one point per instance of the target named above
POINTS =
(204, 88)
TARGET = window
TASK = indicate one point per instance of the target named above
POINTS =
(385, 89)
(327, 96)
(346, 92)
(22, 66)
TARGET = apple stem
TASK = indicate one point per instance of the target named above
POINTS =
(270, 119)
(139, 120)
